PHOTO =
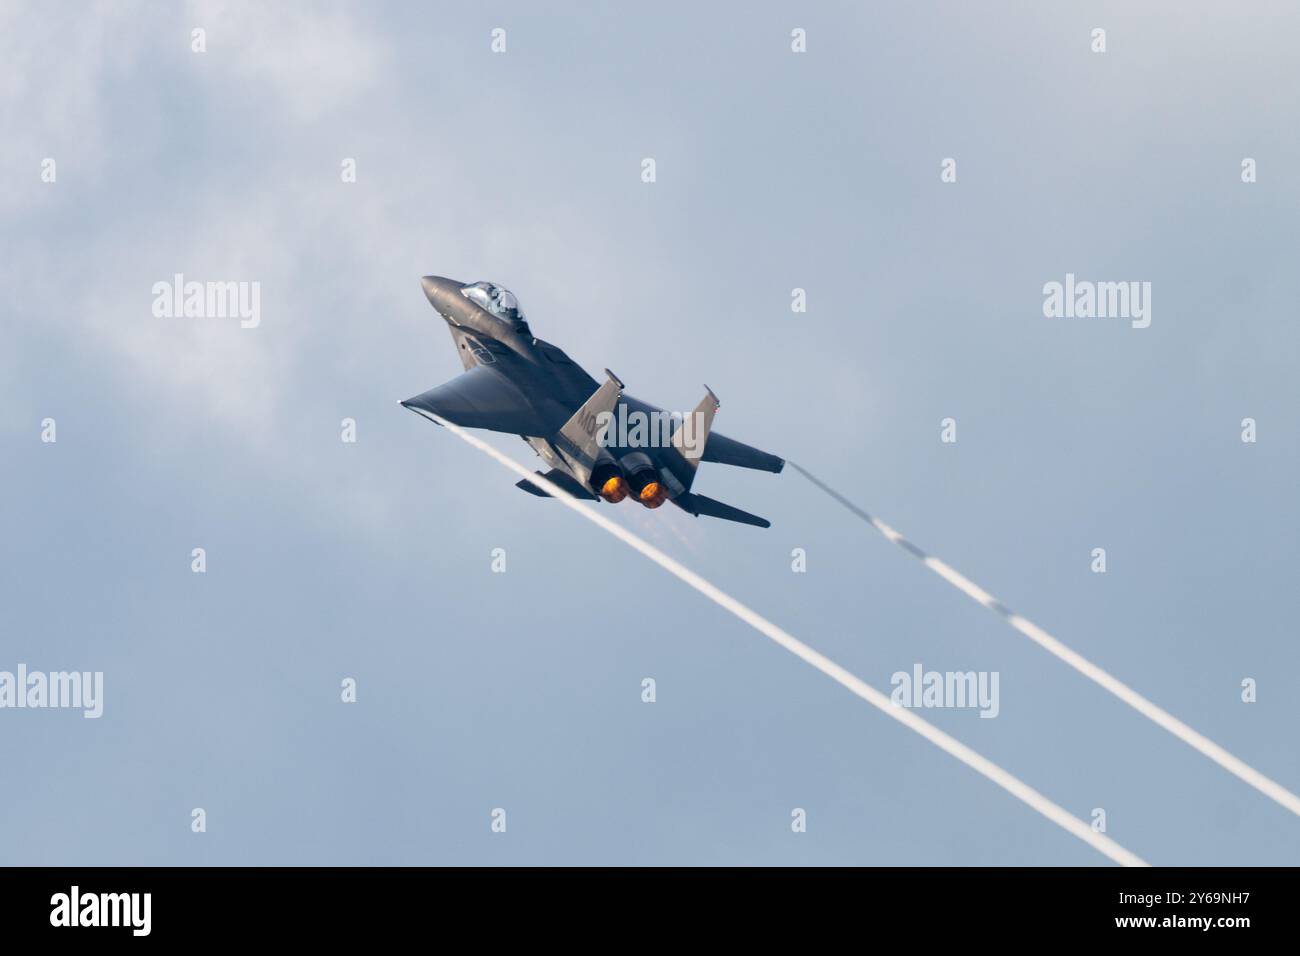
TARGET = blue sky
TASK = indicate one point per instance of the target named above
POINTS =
(774, 171)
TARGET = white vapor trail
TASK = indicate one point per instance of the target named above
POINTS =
(1235, 765)
(1012, 784)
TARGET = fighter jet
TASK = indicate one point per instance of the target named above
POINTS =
(600, 443)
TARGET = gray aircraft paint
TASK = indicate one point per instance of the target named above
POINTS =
(518, 384)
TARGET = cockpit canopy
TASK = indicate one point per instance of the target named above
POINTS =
(498, 301)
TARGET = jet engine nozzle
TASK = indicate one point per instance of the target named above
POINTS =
(652, 495)
(614, 489)
(608, 482)
(643, 479)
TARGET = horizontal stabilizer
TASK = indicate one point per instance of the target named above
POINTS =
(728, 451)
(702, 505)
(559, 478)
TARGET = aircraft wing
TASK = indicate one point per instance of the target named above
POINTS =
(481, 398)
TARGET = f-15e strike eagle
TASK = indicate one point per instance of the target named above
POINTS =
(599, 442)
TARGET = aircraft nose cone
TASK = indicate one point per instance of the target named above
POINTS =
(442, 293)
(439, 290)
(430, 284)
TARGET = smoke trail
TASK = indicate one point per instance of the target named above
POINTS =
(880, 701)
(1270, 788)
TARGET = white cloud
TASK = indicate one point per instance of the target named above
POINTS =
(312, 59)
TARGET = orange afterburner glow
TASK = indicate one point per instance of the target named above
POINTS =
(614, 490)
(653, 495)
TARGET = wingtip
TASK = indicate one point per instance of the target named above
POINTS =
(423, 413)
